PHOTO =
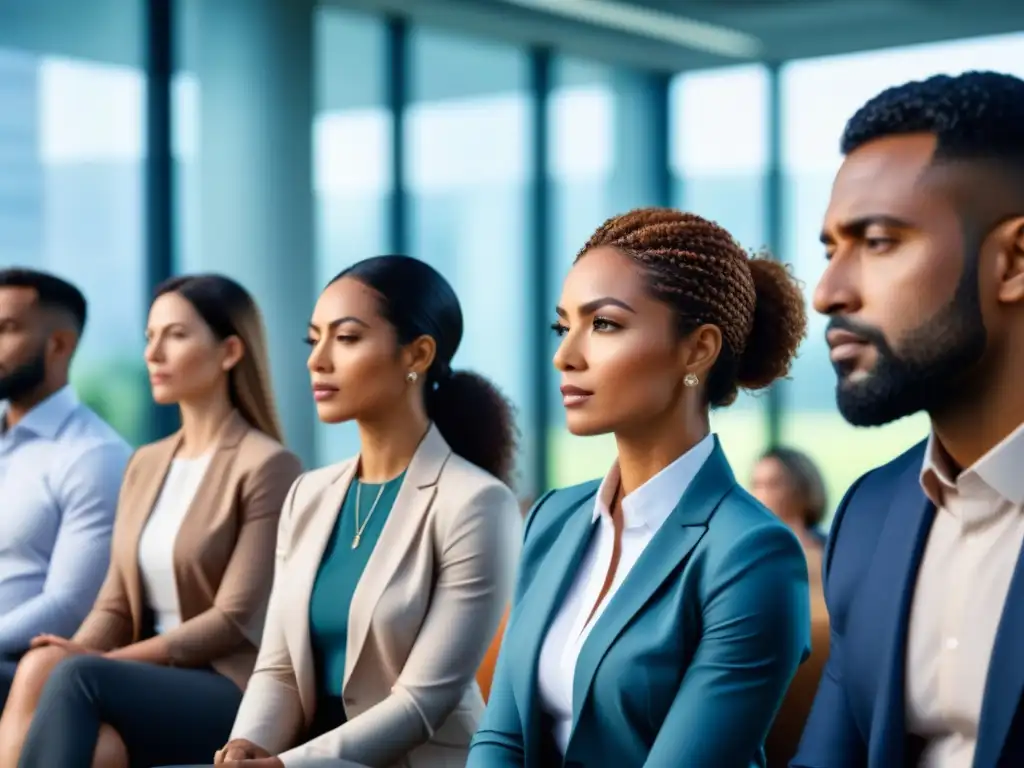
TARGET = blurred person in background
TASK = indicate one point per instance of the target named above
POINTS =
(924, 289)
(393, 567)
(659, 614)
(156, 673)
(61, 467)
(789, 483)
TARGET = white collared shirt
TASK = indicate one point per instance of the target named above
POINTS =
(962, 585)
(159, 536)
(644, 511)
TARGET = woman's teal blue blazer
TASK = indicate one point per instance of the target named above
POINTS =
(687, 665)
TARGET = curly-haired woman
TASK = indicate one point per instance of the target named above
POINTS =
(661, 613)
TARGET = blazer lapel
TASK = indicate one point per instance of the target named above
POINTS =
(402, 527)
(662, 557)
(318, 526)
(1005, 679)
(150, 483)
(195, 525)
(230, 434)
(889, 590)
(537, 607)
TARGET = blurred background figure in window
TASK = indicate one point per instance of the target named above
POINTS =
(789, 483)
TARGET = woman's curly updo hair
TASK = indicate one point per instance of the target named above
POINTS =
(698, 269)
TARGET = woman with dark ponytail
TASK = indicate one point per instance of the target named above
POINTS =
(394, 567)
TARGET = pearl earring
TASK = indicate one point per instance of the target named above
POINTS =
(411, 377)
(691, 380)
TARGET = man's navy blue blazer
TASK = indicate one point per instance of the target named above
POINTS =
(870, 570)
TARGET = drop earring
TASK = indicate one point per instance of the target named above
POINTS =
(690, 380)
(411, 377)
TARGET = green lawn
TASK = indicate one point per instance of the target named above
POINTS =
(118, 390)
(843, 452)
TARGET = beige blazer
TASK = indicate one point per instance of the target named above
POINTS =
(421, 619)
(222, 554)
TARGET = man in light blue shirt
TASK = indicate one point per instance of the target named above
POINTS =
(60, 469)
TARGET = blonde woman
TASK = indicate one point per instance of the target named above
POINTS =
(660, 612)
(156, 673)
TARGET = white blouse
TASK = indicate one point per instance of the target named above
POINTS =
(156, 545)
(644, 511)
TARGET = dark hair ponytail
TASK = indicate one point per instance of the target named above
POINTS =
(476, 419)
(473, 416)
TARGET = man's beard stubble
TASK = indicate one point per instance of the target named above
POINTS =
(25, 379)
(928, 372)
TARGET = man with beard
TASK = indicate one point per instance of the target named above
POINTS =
(925, 292)
(60, 469)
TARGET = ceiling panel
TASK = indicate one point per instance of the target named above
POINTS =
(786, 29)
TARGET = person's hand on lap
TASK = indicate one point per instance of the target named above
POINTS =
(243, 750)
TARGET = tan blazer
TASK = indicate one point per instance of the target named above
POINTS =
(222, 554)
(421, 619)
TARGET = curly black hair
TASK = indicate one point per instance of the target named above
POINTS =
(974, 116)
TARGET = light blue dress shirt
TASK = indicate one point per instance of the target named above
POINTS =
(60, 474)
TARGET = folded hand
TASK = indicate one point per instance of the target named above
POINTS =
(238, 750)
(41, 641)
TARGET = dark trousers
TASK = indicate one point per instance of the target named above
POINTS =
(8, 666)
(164, 715)
(330, 714)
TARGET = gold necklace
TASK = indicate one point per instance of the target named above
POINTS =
(360, 528)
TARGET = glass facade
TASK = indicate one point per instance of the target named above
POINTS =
(719, 168)
(71, 188)
(467, 143)
(369, 135)
(352, 161)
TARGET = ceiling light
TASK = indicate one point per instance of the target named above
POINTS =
(657, 25)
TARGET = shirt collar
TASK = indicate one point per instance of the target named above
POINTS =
(47, 417)
(999, 469)
(652, 503)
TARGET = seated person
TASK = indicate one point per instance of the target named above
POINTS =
(789, 483)
(156, 673)
(60, 469)
(659, 613)
(394, 567)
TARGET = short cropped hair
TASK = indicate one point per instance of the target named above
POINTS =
(974, 116)
(52, 292)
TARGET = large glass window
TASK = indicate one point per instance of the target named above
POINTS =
(71, 151)
(468, 151)
(818, 97)
(601, 123)
(253, 137)
(352, 164)
(719, 159)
